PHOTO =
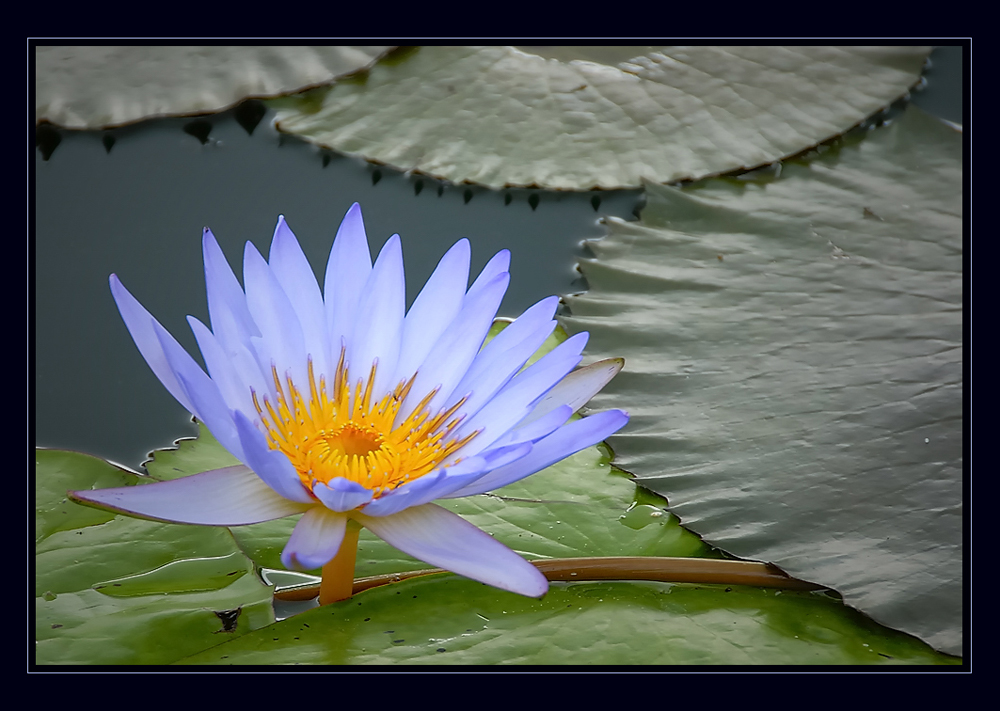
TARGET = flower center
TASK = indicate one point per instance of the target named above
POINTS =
(354, 440)
(345, 434)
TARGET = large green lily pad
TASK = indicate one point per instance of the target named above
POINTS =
(793, 353)
(500, 116)
(448, 620)
(172, 577)
(98, 87)
(116, 590)
(578, 507)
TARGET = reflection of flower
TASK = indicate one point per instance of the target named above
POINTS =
(345, 409)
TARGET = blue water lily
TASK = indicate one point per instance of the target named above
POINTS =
(345, 408)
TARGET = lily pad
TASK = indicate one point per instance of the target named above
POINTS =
(578, 507)
(448, 620)
(793, 353)
(499, 116)
(116, 590)
(98, 87)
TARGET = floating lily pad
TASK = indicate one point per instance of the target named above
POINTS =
(448, 620)
(793, 353)
(499, 116)
(578, 507)
(116, 590)
(98, 87)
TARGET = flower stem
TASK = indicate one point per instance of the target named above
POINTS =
(669, 570)
(338, 574)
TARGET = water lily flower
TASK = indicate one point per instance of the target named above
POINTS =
(347, 409)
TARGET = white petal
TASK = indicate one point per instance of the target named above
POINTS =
(436, 306)
(347, 270)
(378, 329)
(291, 268)
(577, 388)
(567, 440)
(271, 465)
(438, 537)
(233, 496)
(315, 540)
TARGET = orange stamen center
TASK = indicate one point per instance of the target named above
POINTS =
(347, 435)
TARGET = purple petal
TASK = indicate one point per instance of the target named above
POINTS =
(271, 465)
(501, 358)
(577, 388)
(291, 268)
(341, 494)
(139, 323)
(315, 540)
(419, 490)
(347, 270)
(565, 441)
(436, 306)
(438, 537)
(233, 496)
(227, 304)
(454, 352)
(203, 394)
(516, 400)
(499, 264)
(227, 378)
(281, 339)
(442, 482)
(457, 478)
(536, 429)
(378, 329)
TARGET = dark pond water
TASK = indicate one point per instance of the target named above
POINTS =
(138, 209)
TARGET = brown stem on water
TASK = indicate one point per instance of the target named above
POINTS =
(665, 570)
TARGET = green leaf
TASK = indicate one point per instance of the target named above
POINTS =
(448, 620)
(116, 590)
(97, 87)
(154, 587)
(190, 455)
(499, 116)
(794, 366)
(579, 507)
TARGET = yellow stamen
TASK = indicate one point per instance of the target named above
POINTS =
(347, 435)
